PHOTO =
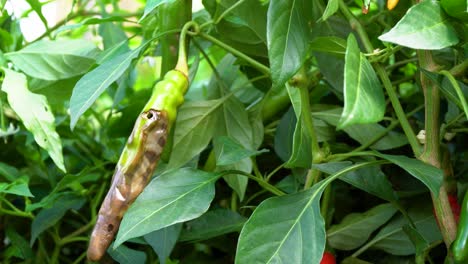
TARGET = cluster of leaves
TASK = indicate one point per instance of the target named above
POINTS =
(285, 98)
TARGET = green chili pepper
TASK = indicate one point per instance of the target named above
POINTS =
(460, 245)
(140, 155)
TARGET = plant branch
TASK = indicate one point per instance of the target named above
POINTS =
(354, 23)
(431, 153)
(267, 186)
(262, 68)
(460, 69)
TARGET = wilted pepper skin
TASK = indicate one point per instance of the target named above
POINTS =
(138, 159)
(132, 174)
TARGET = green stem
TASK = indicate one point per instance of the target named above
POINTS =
(182, 60)
(73, 239)
(301, 82)
(71, 236)
(14, 213)
(262, 68)
(80, 258)
(234, 204)
(306, 114)
(354, 23)
(260, 181)
(2, 116)
(431, 153)
(460, 69)
(344, 156)
(325, 203)
(173, 16)
(386, 131)
(229, 10)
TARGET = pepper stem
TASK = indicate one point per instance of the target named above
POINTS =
(182, 59)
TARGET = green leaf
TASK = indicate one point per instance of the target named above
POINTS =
(89, 21)
(363, 94)
(37, 7)
(94, 83)
(229, 151)
(392, 239)
(152, 5)
(330, 44)
(9, 172)
(284, 229)
(417, 239)
(356, 228)
(424, 26)
(371, 179)
(163, 241)
(212, 224)
(332, 7)
(285, 136)
(174, 197)
(195, 125)
(22, 246)
(111, 34)
(54, 60)
(364, 132)
(125, 255)
(429, 175)
(35, 114)
(301, 153)
(18, 187)
(235, 124)
(288, 34)
(48, 217)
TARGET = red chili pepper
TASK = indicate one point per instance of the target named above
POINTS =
(328, 258)
(455, 206)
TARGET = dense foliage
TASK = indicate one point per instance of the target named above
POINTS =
(309, 126)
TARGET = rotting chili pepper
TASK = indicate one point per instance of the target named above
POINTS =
(141, 154)
(460, 245)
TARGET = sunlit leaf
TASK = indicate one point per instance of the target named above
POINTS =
(95, 82)
(195, 125)
(152, 5)
(363, 94)
(424, 26)
(288, 34)
(35, 114)
(285, 229)
(332, 7)
(54, 60)
(174, 197)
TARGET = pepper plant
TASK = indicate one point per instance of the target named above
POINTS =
(310, 131)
